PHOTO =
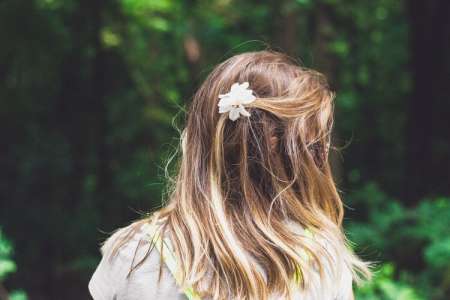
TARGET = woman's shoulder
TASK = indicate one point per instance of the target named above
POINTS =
(331, 275)
(130, 267)
(124, 239)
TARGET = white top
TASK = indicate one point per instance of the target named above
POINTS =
(112, 280)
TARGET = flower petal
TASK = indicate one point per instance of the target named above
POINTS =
(226, 101)
(234, 114)
(225, 108)
(248, 99)
(242, 111)
(234, 86)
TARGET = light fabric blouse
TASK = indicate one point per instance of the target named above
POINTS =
(113, 281)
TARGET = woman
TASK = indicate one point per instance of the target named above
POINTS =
(253, 212)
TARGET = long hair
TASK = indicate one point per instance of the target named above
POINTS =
(244, 189)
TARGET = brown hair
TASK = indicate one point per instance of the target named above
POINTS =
(244, 189)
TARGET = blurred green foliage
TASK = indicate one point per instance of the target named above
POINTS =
(385, 286)
(91, 90)
(399, 235)
(8, 266)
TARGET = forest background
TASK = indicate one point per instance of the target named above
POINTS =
(90, 91)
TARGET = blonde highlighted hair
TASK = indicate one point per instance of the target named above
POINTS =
(245, 188)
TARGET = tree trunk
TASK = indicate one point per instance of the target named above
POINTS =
(429, 41)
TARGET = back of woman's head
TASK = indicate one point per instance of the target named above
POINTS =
(247, 188)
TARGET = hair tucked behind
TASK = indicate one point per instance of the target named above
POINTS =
(244, 188)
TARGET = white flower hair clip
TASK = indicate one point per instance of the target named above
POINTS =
(233, 101)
